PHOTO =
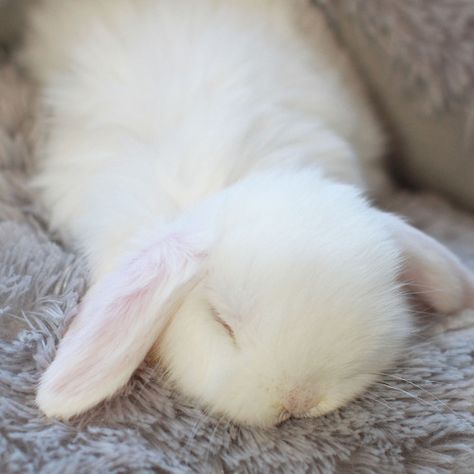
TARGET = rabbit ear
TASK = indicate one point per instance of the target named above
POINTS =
(436, 275)
(120, 319)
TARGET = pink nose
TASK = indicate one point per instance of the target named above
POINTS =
(298, 404)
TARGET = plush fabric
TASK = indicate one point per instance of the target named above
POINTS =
(418, 419)
(419, 58)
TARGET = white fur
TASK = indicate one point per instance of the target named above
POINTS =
(236, 120)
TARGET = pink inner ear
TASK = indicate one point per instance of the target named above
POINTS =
(435, 273)
(120, 319)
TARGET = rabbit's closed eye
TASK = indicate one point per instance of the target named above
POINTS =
(218, 318)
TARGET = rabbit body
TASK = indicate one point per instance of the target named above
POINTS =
(157, 104)
(209, 158)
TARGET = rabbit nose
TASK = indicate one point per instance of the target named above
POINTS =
(298, 404)
(297, 410)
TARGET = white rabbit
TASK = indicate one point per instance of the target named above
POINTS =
(209, 158)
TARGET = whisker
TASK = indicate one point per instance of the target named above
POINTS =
(419, 387)
(397, 377)
(197, 426)
(211, 438)
(405, 392)
(426, 402)
(375, 399)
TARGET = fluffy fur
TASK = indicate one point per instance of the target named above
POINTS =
(228, 120)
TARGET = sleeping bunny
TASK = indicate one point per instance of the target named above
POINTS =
(211, 159)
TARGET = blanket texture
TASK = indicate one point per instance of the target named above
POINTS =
(418, 419)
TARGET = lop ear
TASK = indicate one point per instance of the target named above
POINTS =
(119, 320)
(437, 275)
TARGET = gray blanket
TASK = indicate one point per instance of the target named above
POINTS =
(418, 419)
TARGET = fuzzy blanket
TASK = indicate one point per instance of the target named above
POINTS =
(418, 419)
